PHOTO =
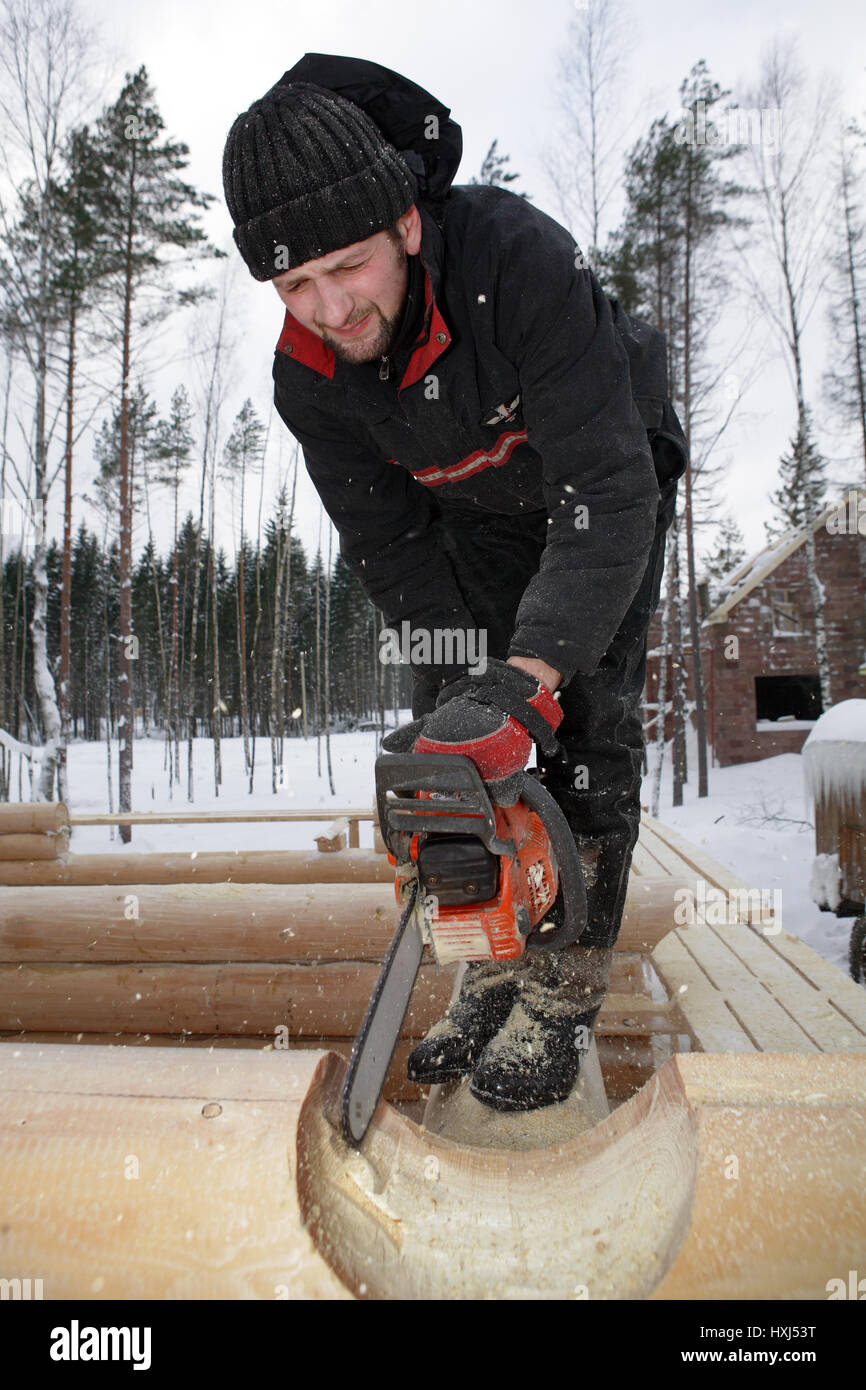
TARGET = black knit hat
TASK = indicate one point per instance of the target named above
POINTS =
(306, 172)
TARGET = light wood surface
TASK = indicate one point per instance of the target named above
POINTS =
(242, 866)
(33, 817)
(219, 1175)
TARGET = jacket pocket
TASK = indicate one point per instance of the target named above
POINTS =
(668, 445)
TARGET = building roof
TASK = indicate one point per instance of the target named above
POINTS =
(740, 582)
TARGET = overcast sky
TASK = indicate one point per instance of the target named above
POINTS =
(494, 62)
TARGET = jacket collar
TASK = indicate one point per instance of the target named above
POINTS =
(304, 346)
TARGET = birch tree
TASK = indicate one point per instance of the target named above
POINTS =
(583, 162)
(44, 53)
(845, 379)
(211, 351)
(794, 217)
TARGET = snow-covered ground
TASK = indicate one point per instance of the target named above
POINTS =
(756, 820)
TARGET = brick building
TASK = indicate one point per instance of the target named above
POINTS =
(758, 639)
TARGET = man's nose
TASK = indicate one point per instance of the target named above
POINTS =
(335, 305)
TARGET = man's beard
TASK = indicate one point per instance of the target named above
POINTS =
(384, 335)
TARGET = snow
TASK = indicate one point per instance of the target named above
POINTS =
(741, 576)
(13, 746)
(847, 720)
(834, 754)
(776, 726)
(825, 881)
(755, 821)
(352, 759)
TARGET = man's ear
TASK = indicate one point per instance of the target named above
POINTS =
(410, 228)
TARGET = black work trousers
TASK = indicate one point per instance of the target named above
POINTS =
(597, 779)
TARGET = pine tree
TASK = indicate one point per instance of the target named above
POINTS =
(799, 502)
(172, 456)
(803, 483)
(146, 209)
(729, 553)
(243, 454)
(494, 173)
(78, 267)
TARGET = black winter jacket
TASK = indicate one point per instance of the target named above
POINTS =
(526, 391)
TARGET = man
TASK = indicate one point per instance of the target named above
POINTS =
(493, 440)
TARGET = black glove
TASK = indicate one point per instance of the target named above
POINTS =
(490, 718)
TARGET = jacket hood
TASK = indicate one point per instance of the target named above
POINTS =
(401, 109)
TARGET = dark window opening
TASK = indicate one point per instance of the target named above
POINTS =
(786, 613)
(791, 697)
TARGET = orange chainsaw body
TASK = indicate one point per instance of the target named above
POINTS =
(528, 880)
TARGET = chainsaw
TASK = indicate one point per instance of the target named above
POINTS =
(475, 881)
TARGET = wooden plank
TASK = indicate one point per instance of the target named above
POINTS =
(214, 817)
(652, 834)
(638, 1023)
(696, 858)
(240, 866)
(811, 1007)
(763, 1017)
(311, 1001)
(846, 996)
(649, 911)
(852, 863)
(642, 863)
(715, 1028)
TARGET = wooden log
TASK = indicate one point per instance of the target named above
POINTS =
(130, 1149)
(237, 922)
(397, 1086)
(198, 922)
(158, 1144)
(416, 1217)
(35, 846)
(287, 1001)
(33, 817)
(242, 866)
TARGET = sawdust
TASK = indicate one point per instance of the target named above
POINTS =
(455, 1114)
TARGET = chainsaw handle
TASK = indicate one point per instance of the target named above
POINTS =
(570, 869)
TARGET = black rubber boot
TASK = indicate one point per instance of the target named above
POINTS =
(535, 1059)
(455, 1043)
